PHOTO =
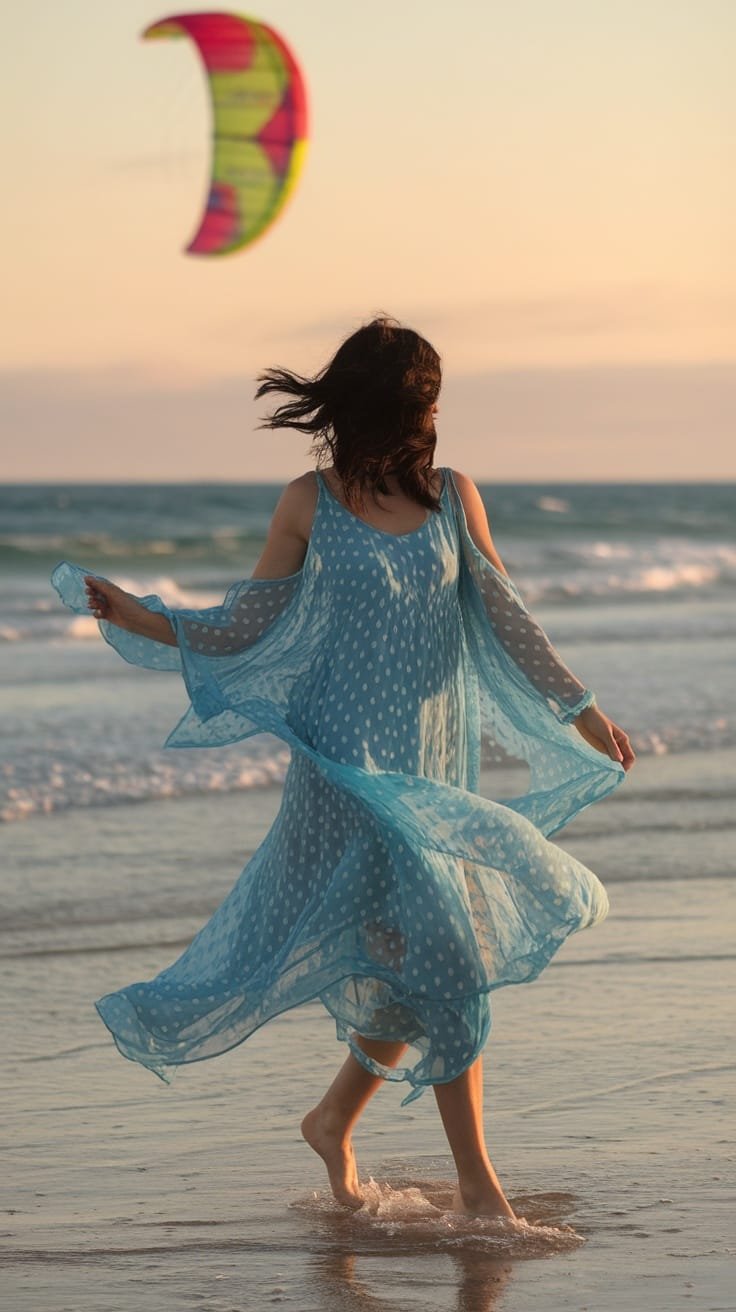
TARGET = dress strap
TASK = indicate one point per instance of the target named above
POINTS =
(444, 471)
(322, 492)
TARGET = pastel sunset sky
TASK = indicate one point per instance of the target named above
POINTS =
(545, 188)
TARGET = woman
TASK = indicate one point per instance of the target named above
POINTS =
(382, 639)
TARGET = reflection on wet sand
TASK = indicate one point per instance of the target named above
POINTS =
(480, 1283)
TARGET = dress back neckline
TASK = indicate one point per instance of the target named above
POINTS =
(372, 528)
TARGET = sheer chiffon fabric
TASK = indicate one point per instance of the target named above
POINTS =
(387, 886)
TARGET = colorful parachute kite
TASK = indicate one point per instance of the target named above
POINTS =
(260, 124)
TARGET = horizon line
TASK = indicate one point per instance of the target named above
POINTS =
(725, 480)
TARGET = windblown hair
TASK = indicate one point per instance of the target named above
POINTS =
(369, 410)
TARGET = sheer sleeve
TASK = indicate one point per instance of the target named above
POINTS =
(241, 661)
(522, 637)
(246, 614)
(249, 610)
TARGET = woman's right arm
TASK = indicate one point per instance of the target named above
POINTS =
(528, 645)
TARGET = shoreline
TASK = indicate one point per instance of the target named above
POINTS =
(605, 1087)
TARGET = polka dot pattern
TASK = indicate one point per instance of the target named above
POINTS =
(387, 886)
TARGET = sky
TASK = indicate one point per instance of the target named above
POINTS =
(544, 189)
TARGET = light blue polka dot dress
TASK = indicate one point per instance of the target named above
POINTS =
(387, 886)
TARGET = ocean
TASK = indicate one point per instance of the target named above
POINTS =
(635, 585)
(607, 1079)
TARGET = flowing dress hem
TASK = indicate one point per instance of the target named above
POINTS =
(546, 950)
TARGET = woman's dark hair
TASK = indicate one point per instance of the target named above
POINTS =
(370, 409)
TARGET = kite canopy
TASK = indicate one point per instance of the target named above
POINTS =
(259, 124)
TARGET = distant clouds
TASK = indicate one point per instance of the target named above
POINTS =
(594, 310)
(607, 324)
(612, 422)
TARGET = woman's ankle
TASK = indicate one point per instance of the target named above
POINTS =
(490, 1201)
(480, 1184)
(334, 1121)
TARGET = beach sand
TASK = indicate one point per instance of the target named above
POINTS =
(607, 1084)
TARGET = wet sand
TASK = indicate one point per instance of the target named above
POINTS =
(607, 1090)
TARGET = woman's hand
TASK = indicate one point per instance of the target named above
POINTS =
(109, 602)
(605, 736)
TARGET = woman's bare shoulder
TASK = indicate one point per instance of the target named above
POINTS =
(476, 518)
(303, 487)
(468, 492)
(295, 508)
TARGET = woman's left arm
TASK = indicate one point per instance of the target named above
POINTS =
(109, 602)
(222, 630)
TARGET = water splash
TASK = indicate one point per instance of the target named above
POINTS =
(420, 1215)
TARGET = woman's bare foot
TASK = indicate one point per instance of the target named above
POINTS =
(472, 1201)
(337, 1154)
